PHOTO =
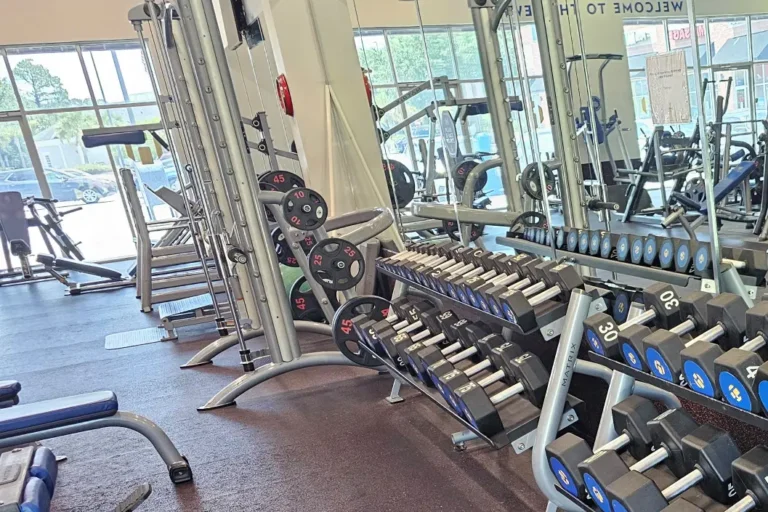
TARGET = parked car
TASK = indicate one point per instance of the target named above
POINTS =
(65, 184)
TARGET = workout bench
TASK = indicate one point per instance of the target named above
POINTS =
(30, 423)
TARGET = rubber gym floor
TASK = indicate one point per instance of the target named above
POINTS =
(319, 439)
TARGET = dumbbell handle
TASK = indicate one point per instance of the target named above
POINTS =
(682, 485)
(474, 272)
(468, 352)
(507, 393)
(504, 279)
(650, 315)
(421, 336)
(616, 444)
(450, 349)
(743, 505)
(406, 326)
(708, 336)
(434, 340)
(474, 370)
(655, 458)
(534, 289)
(684, 328)
(754, 344)
(546, 295)
(490, 274)
(523, 283)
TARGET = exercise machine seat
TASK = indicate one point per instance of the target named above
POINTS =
(79, 266)
(48, 414)
(9, 389)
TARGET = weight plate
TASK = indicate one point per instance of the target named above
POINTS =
(572, 241)
(667, 254)
(701, 262)
(336, 264)
(304, 209)
(307, 243)
(683, 258)
(304, 304)
(404, 184)
(622, 248)
(584, 242)
(560, 238)
(281, 181)
(283, 249)
(461, 173)
(621, 307)
(452, 230)
(650, 251)
(695, 190)
(347, 340)
(637, 251)
(594, 244)
(605, 247)
(532, 181)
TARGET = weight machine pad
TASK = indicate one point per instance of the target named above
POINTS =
(9, 389)
(39, 416)
(12, 219)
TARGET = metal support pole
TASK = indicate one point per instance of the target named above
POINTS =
(498, 102)
(660, 167)
(708, 169)
(557, 393)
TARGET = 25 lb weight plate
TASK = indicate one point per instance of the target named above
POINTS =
(344, 336)
(404, 184)
(283, 249)
(532, 182)
(304, 208)
(336, 264)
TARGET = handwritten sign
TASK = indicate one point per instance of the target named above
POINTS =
(668, 88)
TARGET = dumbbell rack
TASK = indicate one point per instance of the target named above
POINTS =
(724, 408)
(518, 411)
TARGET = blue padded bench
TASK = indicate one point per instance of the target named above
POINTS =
(735, 177)
(47, 414)
(9, 393)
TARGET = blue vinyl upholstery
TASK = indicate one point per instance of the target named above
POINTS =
(47, 414)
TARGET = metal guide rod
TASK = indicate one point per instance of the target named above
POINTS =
(194, 228)
(224, 93)
(243, 216)
(557, 394)
(221, 209)
(598, 163)
(530, 122)
(546, 15)
(204, 187)
(709, 183)
(498, 103)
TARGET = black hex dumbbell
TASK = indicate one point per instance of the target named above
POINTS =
(402, 313)
(519, 309)
(513, 275)
(669, 357)
(500, 357)
(630, 417)
(709, 453)
(433, 322)
(750, 480)
(442, 362)
(533, 282)
(464, 347)
(693, 312)
(482, 410)
(662, 303)
(453, 333)
(442, 279)
(404, 262)
(667, 433)
(492, 267)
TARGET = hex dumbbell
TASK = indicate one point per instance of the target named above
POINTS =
(750, 480)
(709, 453)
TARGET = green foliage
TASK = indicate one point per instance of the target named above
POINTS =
(408, 57)
(95, 168)
(7, 98)
(43, 90)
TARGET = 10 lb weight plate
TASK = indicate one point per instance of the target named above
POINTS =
(305, 209)
(336, 264)
(344, 336)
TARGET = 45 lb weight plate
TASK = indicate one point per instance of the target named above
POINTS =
(346, 338)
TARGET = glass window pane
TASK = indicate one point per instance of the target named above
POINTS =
(118, 73)
(440, 55)
(761, 90)
(729, 40)
(49, 78)
(760, 37)
(16, 172)
(471, 90)
(130, 116)
(642, 40)
(372, 51)
(467, 56)
(531, 49)
(408, 56)
(680, 39)
(7, 97)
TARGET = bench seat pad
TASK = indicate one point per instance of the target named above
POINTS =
(48, 414)
(9, 389)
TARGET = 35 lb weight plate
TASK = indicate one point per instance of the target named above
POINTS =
(336, 264)
(451, 228)
(305, 209)
(461, 173)
(304, 304)
(404, 184)
(344, 336)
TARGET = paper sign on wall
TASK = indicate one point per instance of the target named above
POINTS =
(668, 88)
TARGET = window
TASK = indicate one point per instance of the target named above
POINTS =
(467, 54)
(643, 39)
(49, 78)
(729, 40)
(7, 96)
(24, 175)
(118, 73)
